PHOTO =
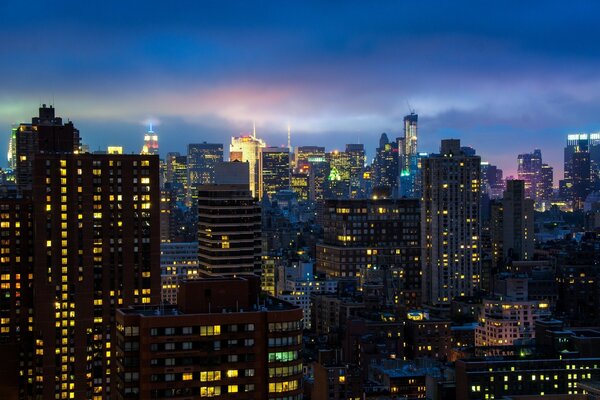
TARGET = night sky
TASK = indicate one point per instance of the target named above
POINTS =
(505, 77)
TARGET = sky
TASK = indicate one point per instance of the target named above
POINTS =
(504, 77)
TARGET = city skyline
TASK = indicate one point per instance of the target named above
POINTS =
(345, 74)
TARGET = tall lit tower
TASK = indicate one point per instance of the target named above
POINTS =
(150, 142)
(246, 148)
(451, 230)
(408, 157)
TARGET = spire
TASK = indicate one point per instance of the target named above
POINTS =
(254, 129)
(289, 138)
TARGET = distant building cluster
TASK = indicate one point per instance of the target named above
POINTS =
(291, 273)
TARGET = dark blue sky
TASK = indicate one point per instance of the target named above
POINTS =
(505, 77)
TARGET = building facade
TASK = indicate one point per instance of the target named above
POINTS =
(212, 344)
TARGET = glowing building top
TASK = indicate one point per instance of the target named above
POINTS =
(150, 142)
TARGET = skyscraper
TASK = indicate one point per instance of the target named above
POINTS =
(150, 142)
(517, 223)
(385, 165)
(580, 177)
(201, 161)
(451, 229)
(408, 157)
(338, 180)
(303, 153)
(529, 170)
(229, 229)
(356, 165)
(177, 175)
(545, 190)
(274, 170)
(92, 236)
(246, 148)
(575, 165)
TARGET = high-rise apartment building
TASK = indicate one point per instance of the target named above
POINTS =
(90, 223)
(16, 297)
(201, 161)
(246, 148)
(274, 170)
(451, 228)
(229, 230)
(45, 134)
(223, 340)
(374, 239)
(96, 224)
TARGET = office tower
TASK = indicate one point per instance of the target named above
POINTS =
(587, 144)
(529, 170)
(201, 161)
(408, 157)
(274, 170)
(356, 165)
(300, 184)
(45, 134)
(318, 174)
(374, 239)
(246, 148)
(223, 340)
(338, 180)
(517, 223)
(176, 176)
(178, 262)
(546, 184)
(150, 142)
(385, 165)
(451, 229)
(303, 153)
(492, 182)
(580, 178)
(229, 229)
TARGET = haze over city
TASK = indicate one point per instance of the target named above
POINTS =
(521, 74)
